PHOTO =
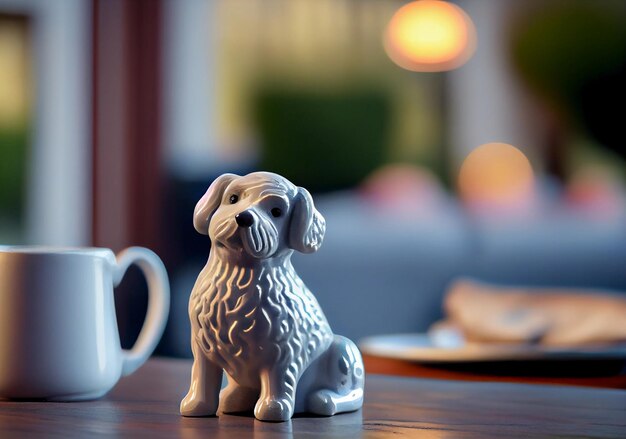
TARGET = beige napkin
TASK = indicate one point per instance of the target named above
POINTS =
(558, 317)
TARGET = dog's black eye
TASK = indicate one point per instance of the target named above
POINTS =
(233, 199)
(276, 212)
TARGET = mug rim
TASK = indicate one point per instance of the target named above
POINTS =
(54, 250)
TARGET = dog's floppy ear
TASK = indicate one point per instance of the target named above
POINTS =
(307, 227)
(210, 201)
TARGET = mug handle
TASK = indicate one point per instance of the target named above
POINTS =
(158, 303)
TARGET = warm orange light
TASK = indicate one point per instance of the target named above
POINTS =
(496, 175)
(430, 36)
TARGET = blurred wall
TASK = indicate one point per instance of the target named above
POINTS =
(486, 101)
(58, 197)
(189, 38)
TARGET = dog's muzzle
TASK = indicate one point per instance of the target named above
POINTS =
(244, 219)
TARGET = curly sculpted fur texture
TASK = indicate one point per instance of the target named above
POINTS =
(265, 312)
(254, 318)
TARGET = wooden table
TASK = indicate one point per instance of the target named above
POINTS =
(146, 405)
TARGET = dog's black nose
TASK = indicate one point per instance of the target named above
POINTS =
(244, 219)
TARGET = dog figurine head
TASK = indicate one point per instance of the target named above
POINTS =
(262, 214)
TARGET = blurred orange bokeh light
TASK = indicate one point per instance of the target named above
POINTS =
(496, 175)
(430, 36)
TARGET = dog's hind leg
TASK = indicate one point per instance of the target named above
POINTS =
(327, 402)
(344, 375)
(235, 398)
(206, 381)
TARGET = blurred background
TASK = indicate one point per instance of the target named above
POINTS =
(475, 138)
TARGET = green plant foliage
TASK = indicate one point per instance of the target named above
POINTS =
(322, 140)
(573, 53)
(13, 156)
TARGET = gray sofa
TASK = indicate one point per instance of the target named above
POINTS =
(380, 271)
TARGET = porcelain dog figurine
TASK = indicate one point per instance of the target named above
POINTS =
(253, 317)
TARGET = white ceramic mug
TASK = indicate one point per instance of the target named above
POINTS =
(58, 332)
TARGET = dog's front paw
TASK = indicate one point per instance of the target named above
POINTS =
(273, 409)
(192, 405)
(236, 399)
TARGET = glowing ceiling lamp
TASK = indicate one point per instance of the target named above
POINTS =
(430, 36)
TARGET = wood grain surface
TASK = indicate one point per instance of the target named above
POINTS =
(146, 405)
